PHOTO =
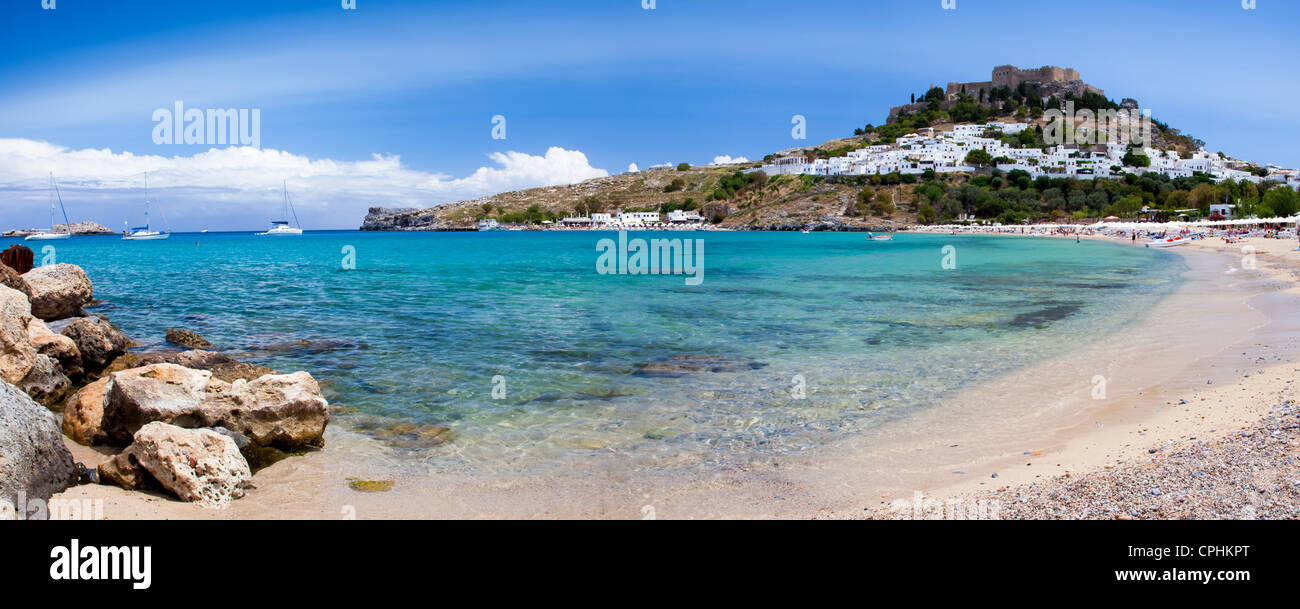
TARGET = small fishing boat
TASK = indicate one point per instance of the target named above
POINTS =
(53, 233)
(281, 228)
(144, 233)
(875, 237)
(1169, 242)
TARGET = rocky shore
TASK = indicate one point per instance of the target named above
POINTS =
(195, 424)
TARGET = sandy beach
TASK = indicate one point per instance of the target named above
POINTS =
(1214, 359)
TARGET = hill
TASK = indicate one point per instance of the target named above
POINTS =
(736, 196)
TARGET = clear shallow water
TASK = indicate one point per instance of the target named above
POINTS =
(644, 367)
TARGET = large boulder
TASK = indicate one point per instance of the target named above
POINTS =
(11, 279)
(45, 382)
(98, 342)
(17, 354)
(58, 290)
(156, 393)
(286, 411)
(83, 415)
(56, 346)
(198, 465)
(34, 461)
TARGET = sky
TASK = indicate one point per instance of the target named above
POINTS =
(404, 103)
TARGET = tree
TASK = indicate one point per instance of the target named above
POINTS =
(979, 158)
(1133, 158)
(1283, 201)
(1203, 196)
(683, 167)
(927, 215)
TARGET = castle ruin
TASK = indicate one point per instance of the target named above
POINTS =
(1049, 80)
(1012, 77)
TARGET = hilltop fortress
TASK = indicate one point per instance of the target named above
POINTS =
(1049, 81)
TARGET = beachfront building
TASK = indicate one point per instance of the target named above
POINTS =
(602, 219)
(1226, 210)
(684, 217)
(580, 222)
(946, 152)
(638, 218)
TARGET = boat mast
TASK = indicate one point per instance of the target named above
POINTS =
(67, 224)
(51, 201)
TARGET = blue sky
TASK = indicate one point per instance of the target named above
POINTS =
(392, 103)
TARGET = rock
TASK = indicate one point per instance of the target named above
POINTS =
(58, 290)
(392, 218)
(122, 362)
(98, 342)
(83, 415)
(33, 458)
(194, 358)
(156, 393)
(10, 278)
(286, 411)
(56, 346)
(198, 465)
(125, 471)
(233, 371)
(186, 338)
(17, 354)
(7, 511)
(84, 228)
(680, 365)
(222, 366)
(45, 382)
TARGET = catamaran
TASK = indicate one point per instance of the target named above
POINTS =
(281, 228)
(53, 233)
(144, 233)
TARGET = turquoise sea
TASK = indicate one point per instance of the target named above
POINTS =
(791, 341)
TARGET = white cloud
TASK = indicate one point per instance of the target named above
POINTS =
(632, 168)
(233, 187)
(725, 159)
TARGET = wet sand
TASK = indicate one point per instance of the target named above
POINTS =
(1036, 424)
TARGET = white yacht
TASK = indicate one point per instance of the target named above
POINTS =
(281, 228)
(489, 225)
(53, 233)
(144, 233)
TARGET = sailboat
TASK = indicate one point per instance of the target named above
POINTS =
(281, 228)
(143, 233)
(67, 226)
